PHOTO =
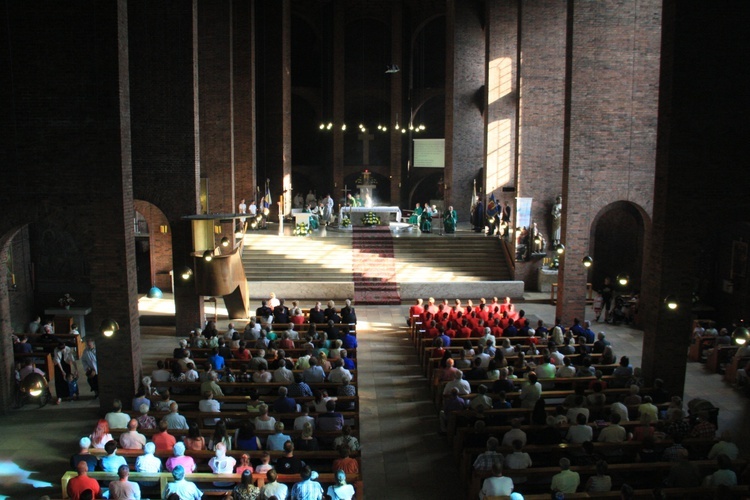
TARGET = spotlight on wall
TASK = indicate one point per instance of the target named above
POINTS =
(164, 229)
(623, 279)
(186, 273)
(109, 327)
(587, 261)
(671, 302)
(34, 384)
(560, 249)
(225, 241)
(740, 335)
(208, 255)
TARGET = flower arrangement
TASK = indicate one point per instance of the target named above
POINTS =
(66, 301)
(302, 229)
(370, 219)
(345, 221)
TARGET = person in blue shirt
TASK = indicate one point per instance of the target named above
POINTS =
(308, 488)
(113, 461)
(349, 341)
(216, 360)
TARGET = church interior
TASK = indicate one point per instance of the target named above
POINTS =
(614, 131)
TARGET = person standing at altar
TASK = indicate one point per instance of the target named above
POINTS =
(450, 219)
(352, 201)
(327, 209)
(477, 217)
(298, 201)
(415, 215)
(311, 199)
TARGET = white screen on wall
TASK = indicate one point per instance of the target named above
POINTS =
(429, 153)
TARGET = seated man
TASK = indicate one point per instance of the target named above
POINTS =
(488, 459)
(283, 403)
(132, 440)
(331, 420)
(289, 464)
(112, 461)
(82, 482)
(116, 418)
(122, 489)
(273, 488)
(84, 455)
(185, 490)
(565, 481)
(278, 439)
(497, 485)
(308, 488)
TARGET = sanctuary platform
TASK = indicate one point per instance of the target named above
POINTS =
(377, 265)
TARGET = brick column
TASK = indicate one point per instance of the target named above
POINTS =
(464, 124)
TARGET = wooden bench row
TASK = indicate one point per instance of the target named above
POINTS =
(540, 478)
(201, 477)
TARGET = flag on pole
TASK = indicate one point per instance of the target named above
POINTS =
(267, 197)
(492, 206)
(474, 198)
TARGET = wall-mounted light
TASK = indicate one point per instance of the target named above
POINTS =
(186, 273)
(623, 279)
(208, 255)
(109, 327)
(740, 335)
(225, 241)
(164, 229)
(560, 249)
(587, 261)
(217, 229)
(671, 302)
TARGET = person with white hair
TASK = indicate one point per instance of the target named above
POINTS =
(179, 459)
(148, 462)
(348, 314)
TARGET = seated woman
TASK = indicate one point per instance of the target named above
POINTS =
(415, 215)
(296, 316)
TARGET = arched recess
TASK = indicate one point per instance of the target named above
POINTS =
(617, 244)
(155, 239)
(426, 189)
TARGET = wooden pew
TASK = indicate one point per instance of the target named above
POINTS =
(721, 355)
(73, 341)
(259, 480)
(730, 374)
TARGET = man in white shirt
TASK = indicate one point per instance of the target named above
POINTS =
(116, 418)
(580, 432)
(148, 462)
(497, 485)
(283, 374)
(515, 434)
(209, 404)
(459, 383)
(336, 376)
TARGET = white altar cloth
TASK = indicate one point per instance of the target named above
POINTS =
(386, 214)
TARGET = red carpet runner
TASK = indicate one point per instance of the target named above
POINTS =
(374, 266)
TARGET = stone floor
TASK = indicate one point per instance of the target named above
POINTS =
(403, 457)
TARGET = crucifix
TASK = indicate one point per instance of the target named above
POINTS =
(365, 138)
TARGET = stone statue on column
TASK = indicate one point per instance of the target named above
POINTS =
(557, 220)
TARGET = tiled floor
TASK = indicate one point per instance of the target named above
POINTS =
(403, 456)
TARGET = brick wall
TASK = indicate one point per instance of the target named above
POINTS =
(611, 116)
(166, 165)
(542, 109)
